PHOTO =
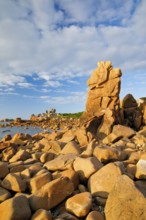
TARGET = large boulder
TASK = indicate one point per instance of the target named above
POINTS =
(15, 208)
(70, 173)
(68, 136)
(123, 131)
(51, 194)
(42, 214)
(82, 137)
(102, 182)
(41, 144)
(79, 204)
(95, 215)
(129, 102)
(106, 154)
(62, 162)
(4, 170)
(125, 201)
(20, 155)
(132, 113)
(20, 139)
(71, 147)
(107, 123)
(4, 194)
(39, 180)
(141, 169)
(85, 167)
(14, 182)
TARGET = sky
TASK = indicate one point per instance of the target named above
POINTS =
(49, 48)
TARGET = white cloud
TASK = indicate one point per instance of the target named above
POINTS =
(31, 43)
(72, 98)
(25, 85)
(10, 79)
(91, 11)
(52, 84)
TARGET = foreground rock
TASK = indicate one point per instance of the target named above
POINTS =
(42, 214)
(125, 201)
(51, 194)
(95, 215)
(3, 169)
(62, 162)
(4, 194)
(15, 209)
(141, 169)
(14, 182)
(102, 182)
(79, 204)
(85, 167)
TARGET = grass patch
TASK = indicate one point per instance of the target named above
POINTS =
(71, 115)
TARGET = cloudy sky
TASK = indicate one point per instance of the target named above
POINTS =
(49, 48)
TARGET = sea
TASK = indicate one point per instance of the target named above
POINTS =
(21, 129)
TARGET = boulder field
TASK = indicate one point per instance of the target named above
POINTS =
(43, 177)
(93, 171)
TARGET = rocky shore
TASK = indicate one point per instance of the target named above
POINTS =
(93, 169)
(53, 123)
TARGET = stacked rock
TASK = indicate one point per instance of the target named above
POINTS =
(104, 89)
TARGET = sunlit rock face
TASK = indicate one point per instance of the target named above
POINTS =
(104, 89)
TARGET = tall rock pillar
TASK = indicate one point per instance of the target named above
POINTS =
(104, 89)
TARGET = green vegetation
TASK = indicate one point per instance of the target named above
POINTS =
(71, 115)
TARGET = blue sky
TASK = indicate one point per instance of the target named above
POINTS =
(49, 48)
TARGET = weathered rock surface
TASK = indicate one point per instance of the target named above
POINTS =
(124, 131)
(4, 194)
(70, 173)
(20, 155)
(62, 162)
(125, 201)
(142, 105)
(95, 215)
(8, 153)
(104, 88)
(42, 214)
(85, 167)
(79, 204)
(52, 193)
(106, 154)
(14, 182)
(132, 113)
(40, 180)
(82, 136)
(141, 169)
(71, 147)
(20, 138)
(3, 170)
(107, 123)
(15, 208)
(102, 182)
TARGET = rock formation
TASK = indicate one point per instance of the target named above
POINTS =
(104, 88)
(103, 102)
(142, 105)
(132, 114)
